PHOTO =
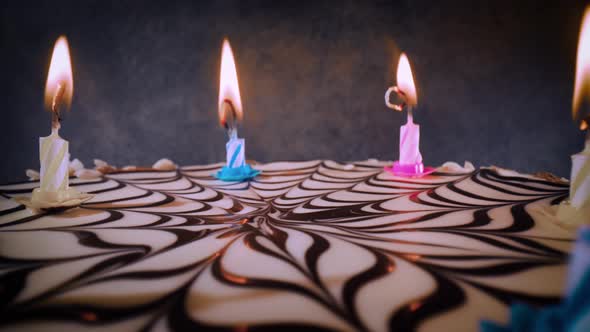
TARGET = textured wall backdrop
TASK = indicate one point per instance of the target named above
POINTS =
(494, 79)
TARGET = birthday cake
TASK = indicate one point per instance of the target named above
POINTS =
(315, 245)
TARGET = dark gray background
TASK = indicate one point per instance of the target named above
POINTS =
(494, 79)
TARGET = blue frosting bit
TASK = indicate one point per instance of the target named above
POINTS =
(572, 314)
(242, 173)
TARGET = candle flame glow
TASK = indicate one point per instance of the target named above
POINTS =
(229, 91)
(582, 82)
(60, 86)
(405, 81)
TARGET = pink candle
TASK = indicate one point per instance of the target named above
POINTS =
(409, 143)
(410, 160)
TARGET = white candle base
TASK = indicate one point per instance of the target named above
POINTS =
(54, 200)
(54, 192)
(572, 216)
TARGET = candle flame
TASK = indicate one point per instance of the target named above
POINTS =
(405, 81)
(60, 86)
(582, 82)
(229, 90)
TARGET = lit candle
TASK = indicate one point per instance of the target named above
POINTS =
(410, 160)
(54, 191)
(576, 210)
(230, 114)
(53, 150)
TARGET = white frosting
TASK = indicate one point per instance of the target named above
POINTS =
(348, 167)
(100, 163)
(88, 173)
(76, 168)
(453, 167)
(75, 165)
(164, 164)
(103, 167)
(511, 173)
(32, 174)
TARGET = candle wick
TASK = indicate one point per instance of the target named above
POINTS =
(410, 114)
(402, 96)
(229, 120)
(233, 134)
(56, 105)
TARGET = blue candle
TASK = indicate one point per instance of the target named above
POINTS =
(235, 150)
(230, 113)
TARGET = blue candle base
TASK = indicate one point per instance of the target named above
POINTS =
(241, 173)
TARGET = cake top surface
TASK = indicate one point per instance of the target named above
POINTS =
(318, 245)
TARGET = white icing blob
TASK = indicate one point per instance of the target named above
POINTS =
(164, 165)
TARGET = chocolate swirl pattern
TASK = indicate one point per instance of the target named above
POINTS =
(312, 245)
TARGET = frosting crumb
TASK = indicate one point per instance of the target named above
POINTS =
(551, 177)
(103, 167)
(87, 173)
(453, 167)
(164, 164)
(100, 163)
(32, 174)
(536, 176)
(74, 166)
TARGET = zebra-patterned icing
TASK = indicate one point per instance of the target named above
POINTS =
(312, 245)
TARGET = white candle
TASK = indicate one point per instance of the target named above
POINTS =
(580, 180)
(54, 157)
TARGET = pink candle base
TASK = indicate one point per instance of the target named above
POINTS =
(416, 170)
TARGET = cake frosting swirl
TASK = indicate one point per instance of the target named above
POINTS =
(315, 245)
